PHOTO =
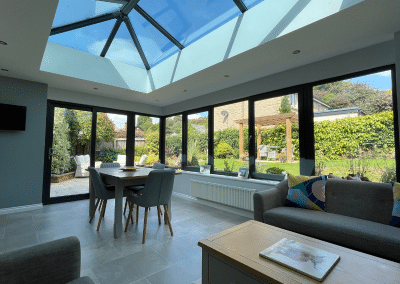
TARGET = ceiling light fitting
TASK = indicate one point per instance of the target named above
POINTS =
(226, 76)
(95, 88)
(4, 70)
(3, 42)
(296, 51)
(185, 90)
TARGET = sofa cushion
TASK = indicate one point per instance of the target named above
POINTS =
(306, 192)
(361, 235)
(395, 222)
(372, 201)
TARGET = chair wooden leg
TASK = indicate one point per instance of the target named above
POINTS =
(129, 217)
(137, 213)
(94, 211)
(159, 216)
(103, 210)
(168, 220)
(126, 203)
(146, 210)
(159, 208)
(131, 205)
(101, 204)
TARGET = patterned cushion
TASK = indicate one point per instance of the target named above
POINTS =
(306, 192)
(395, 222)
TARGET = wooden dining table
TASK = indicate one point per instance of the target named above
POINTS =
(120, 179)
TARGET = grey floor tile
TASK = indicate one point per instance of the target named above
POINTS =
(184, 272)
(130, 268)
(18, 241)
(98, 254)
(90, 273)
(2, 232)
(141, 281)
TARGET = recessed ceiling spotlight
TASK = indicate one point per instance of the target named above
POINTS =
(3, 42)
(95, 88)
(156, 100)
(226, 76)
(185, 90)
(296, 51)
(4, 70)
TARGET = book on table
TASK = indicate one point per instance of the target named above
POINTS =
(303, 258)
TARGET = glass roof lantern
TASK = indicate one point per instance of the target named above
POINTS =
(141, 33)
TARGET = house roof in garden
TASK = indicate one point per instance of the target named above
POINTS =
(141, 33)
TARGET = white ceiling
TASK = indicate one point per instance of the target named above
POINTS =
(26, 25)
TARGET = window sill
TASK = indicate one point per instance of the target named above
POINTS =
(269, 182)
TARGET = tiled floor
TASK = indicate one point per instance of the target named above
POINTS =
(163, 259)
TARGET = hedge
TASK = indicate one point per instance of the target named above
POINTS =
(333, 139)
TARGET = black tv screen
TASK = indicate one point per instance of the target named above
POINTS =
(12, 117)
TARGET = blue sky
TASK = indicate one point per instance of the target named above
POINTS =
(381, 81)
(187, 21)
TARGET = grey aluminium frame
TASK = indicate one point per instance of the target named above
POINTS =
(242, 7)
(111, 37)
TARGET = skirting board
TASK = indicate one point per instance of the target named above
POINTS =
(230, 209)
(20, 209)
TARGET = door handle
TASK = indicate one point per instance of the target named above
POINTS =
(50, 153)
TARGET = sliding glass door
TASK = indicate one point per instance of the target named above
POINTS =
(68, 153)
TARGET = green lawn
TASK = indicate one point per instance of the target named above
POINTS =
(373, 168)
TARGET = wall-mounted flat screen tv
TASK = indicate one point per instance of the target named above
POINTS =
(12, 117)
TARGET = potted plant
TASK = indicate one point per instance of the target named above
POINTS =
(282, 157)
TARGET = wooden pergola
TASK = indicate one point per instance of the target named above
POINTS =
(270, 120)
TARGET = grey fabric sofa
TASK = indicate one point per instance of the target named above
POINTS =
(56, 262)
(357, 216)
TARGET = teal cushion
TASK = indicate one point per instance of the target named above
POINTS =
(309, 194)
(395, 222)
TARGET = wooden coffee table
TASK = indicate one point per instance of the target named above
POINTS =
(232, 256)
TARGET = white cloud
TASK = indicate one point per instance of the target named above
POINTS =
(384, 73)
(194, 116)
(121, 49)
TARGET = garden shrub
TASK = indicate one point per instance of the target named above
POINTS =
(61, 160)
(109, 155)
(152, 158)
(274, 170)
(194, 162)
(173, 145)
(389, 174)
(223, 150)
(140, 150)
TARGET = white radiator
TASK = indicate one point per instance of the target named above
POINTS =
(230, 195)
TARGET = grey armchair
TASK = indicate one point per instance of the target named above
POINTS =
(103, 193)
(56, 262)
(156, 192)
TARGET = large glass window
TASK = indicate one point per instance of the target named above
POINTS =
(354, 133)
(111, 138)
(231, 147)
(197, 146)
(173, 141)
(147, 140)
(277, 135)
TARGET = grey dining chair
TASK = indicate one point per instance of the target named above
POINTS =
(136, 189)
(103, 193)
(157, 191)
(159, 166)
(110, 165)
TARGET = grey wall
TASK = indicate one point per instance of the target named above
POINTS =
(359, 60)
(22, 152)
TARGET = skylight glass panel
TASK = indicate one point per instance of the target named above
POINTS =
(251, 3)
(88, 39)
(69, 11)
(123, 48)
(155, 45)
(188, 21)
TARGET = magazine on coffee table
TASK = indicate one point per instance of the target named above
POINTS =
(303, 258)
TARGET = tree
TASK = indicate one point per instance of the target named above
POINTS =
(285, 105)
(61, 161)
(144, 122)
